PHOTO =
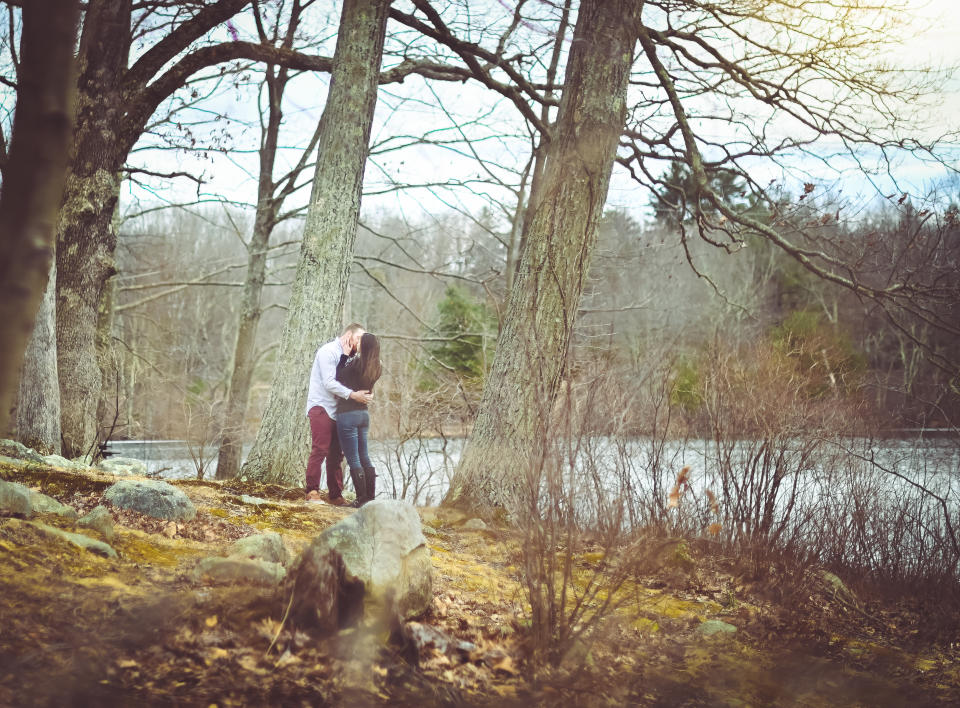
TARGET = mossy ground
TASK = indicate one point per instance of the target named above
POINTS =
(85, 630)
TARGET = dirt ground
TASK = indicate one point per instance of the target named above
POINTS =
(79, 629)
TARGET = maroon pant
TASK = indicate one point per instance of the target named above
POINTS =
(326, 445)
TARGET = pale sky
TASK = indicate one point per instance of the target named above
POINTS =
(936, 44)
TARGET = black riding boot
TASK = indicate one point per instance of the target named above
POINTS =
(370, 473)
(359, 485)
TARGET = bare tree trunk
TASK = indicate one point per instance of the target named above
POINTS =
(38, 402)
(231, 441)
(34, 178)
(316, 304)
(86, 235)
(560, 237)
(541, 150)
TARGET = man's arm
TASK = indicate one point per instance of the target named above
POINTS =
(328, 374)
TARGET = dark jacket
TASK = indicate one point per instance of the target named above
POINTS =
(349, 374)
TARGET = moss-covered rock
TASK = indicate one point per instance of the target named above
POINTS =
(239, 570)
(262, 546)
(99, 519)
(383, 553)
(43, 504)
(77, 539)
(15, 499)
(13, 449)
(151, 497)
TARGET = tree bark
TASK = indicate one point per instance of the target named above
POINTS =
(86, 236)
(316, 304)
(38, 400)
(108, 363)
(231, 440)
(559, 241)
(33, 179)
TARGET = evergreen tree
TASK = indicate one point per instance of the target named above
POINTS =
(468, 327)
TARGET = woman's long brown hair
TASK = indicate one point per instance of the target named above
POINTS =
(369, 359)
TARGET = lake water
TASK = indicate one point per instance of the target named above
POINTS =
(420, 469)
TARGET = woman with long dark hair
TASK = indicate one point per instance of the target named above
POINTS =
(353, 419)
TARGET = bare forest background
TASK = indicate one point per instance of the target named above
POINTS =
(433, 291)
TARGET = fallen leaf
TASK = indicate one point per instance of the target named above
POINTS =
(267, 628)
(248, 663)
(216, 653)
(211, 621)
(127, 663)
(506, 666)
(286, 659)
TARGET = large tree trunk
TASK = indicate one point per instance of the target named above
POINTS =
(33, 179)
(280, 451)
(86, 238)
(38, 400)
(231, 440)
(113, 104)
(560, 238)
(231, 443)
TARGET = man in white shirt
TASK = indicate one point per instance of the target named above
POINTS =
(322, 412)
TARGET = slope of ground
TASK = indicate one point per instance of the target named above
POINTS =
(81, 629)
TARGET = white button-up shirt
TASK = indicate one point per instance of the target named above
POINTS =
(324, 387)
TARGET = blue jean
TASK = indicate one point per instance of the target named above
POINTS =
(352, 427)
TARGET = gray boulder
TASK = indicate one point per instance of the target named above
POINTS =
(42, 504)
(372, 563)
(263, 546)
(711, 627)
(58, 461)
(15, 499)
(123, 466)
(100, 519)
(78, 539)
(475, 525)
(12, 502)
(239, 570)
(12, 448)
(151, 497)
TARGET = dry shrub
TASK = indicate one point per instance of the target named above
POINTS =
(418, 430)
(784, 483)
(795, 478)
(574, 520)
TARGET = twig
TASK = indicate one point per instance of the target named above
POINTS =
(283, 621)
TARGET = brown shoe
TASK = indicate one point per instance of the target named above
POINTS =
(314, 496)
(338, 501)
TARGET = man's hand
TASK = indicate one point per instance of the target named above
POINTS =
(364, 397)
